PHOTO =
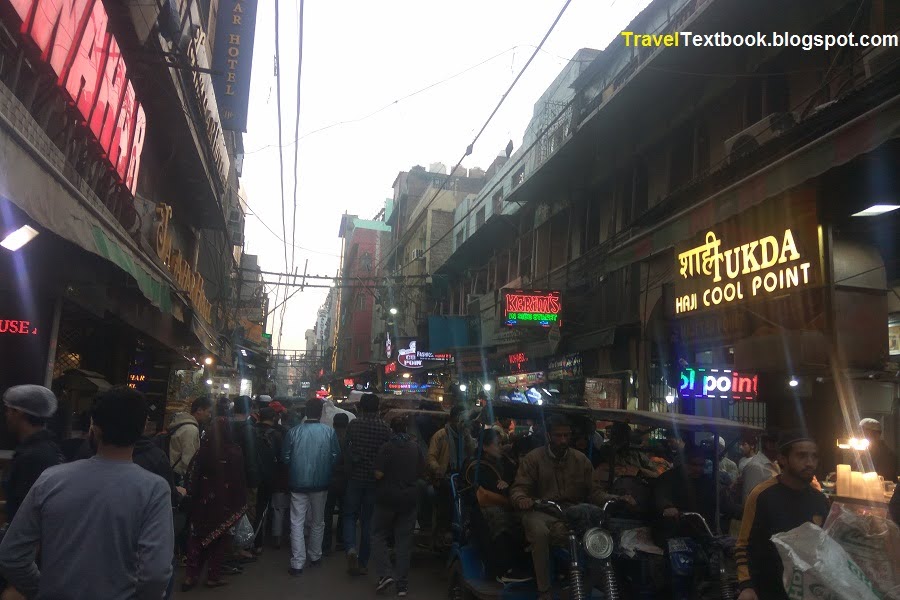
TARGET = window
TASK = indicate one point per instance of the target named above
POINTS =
(366, 262)
(682, 157)
(479, 217)
(460, 238)
(519, 176)
(497, 201)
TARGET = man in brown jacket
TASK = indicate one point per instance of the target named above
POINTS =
(556, 474)
(445, 454)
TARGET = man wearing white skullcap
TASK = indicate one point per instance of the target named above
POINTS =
(884, 461)
(27, 409)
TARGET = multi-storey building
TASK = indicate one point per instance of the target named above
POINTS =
(714, 219)
(115, 156)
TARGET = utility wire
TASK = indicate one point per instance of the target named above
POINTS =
(471, 146)
(280, 150)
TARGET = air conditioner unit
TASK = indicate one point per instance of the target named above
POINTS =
(758, 134)
(877, 60)
(418, 253)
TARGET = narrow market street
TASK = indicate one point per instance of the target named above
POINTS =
(268, 578)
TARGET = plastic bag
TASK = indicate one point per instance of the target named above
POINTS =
(872, 541)
(243, 533)
(815, 566)
(639, 540)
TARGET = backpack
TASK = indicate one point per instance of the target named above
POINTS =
(163, 439)
(266, 456)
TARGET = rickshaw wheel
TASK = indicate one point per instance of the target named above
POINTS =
(457, 589)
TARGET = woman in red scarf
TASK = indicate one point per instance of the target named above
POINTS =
(218, 501)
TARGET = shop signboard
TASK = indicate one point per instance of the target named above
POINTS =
(74, 40)
(531, 308)
(413, 358)
(25, 328)
(567, 367)
(725, 384)
(407, 386)
(517, 361)
(603, 393)
(232, 58)
(758, 255)
(187, 279)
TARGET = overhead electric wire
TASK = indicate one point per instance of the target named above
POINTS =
(471, 145)
(280, 150)
(390, 104)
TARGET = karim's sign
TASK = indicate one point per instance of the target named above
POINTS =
(719, 383)
(535, 308)
(73, 38)
(751, 257)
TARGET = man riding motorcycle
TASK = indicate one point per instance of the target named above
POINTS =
(554, 473)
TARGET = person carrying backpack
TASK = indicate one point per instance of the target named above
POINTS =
(269, 437)
(181, 441)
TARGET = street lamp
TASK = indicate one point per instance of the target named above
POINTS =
(393, 311)
(462, 387)
(406, 376)
(209, 382)
(208, 360)
(487, 387)
(226, 386)
(793, 382)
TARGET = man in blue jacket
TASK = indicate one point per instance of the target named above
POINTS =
(310, 450)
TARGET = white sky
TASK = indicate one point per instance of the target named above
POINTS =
(359, 56)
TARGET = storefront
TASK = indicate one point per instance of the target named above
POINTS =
(776, 317)
(414, 369)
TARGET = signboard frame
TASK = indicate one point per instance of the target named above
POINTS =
(531, 308)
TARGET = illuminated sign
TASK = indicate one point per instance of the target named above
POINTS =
(17, 327)
(233, 56)
(390, 368)
(348, 383)
(184, 275)
(517, 360)
(74, 40)
(407, 386)
(751, 257)
(411, 358)
(531, 307)
(718, 383)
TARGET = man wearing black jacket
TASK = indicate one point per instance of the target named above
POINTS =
(27, 409)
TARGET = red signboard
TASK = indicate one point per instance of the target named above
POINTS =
(73, 38)
(390, 368)
(16, 327)
(531, 307)
(517, 360)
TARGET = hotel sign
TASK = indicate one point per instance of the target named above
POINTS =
(182, 272)
(233, 56)
(748, 258)
(73, 38)
(531, 308)
(719, 383)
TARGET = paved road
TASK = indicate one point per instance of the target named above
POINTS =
(268, 578)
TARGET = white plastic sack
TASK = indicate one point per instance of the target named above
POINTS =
(815, 567)
(243, 533)
(872, 541)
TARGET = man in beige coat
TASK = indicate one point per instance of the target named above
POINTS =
(560, 475)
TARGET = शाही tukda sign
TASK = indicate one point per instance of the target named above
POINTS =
(714, 272)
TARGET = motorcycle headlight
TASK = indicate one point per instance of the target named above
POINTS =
(598, 543)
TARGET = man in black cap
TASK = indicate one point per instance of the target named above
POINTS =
(777, 505)
(28, 407)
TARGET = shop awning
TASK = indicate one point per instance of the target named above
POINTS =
(38, 180)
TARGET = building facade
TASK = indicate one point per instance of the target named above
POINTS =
(118, 161)
(716, 253)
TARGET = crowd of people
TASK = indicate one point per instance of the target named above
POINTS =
(113, 515)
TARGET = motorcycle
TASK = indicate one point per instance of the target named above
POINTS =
(597, 543)
(715, 548)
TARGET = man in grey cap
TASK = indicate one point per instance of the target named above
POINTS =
(884, 461)
(28, 407)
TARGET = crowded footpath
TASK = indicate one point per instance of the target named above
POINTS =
(121, 515)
